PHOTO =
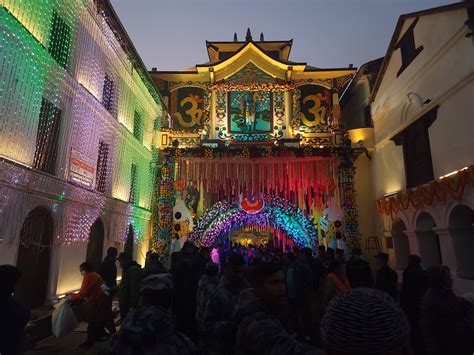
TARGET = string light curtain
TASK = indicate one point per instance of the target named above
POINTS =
(61, 51)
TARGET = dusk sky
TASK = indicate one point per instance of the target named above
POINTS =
(171, 34)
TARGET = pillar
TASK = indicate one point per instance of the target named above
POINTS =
(446, 243)
(413, 242)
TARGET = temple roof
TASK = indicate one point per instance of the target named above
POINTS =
(227, 58)
(223, 50)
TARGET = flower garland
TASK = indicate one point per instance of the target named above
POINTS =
(163, 227)
(349, 205)
(253, 152)
(436, 191)
(278, 213)
(271, 87)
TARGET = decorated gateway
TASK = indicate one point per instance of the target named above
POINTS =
(253, 141)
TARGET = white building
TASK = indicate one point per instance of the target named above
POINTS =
(422, 107)
(78, 116)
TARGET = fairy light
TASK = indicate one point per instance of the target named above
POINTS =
(66, 53)
(224, 217)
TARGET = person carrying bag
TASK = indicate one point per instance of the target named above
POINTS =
(95, 310)
(63, 320)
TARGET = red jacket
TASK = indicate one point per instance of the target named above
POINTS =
(90, 288)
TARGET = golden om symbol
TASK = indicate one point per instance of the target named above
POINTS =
(193, 112)
(316, 109)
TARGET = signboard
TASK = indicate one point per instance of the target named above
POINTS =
(81, 170)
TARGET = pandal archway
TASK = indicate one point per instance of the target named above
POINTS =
(289, 225)
(294, 181)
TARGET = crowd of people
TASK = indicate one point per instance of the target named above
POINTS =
(259, 300)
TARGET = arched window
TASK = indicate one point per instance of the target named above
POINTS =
(95, 245)
(428, 241)
(400, 243)
(462, 231)
(34, 257)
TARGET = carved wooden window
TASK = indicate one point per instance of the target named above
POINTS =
(138, 127)
(133, 185)
(59, 40)
(108, 93)
(406, 44)
(47, 137)
(416, 150)
(102, 166)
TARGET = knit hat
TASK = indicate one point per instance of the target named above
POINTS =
(156, 282)
(364, 321)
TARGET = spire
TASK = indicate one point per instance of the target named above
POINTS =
(248, 36)
(235, 37)
(261, 37)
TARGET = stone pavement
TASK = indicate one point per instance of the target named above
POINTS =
(68, 344)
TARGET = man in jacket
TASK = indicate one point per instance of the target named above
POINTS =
(151, 328)
(14, 316)
(108, 272)
(186, 274)
(413, 288)
(358, 270)
(108, 269)
(218, 323)
(299, 280)
(129, 288)
(442, 317)
(259, 328)
(386, 279)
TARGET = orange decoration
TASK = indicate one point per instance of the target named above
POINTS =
(434, 192)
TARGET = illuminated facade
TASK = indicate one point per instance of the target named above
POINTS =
(78, 119)
(252, 127)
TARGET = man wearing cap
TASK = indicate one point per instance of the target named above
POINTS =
(129, 288)
(364, 321)
(385, 279)
(151, 328)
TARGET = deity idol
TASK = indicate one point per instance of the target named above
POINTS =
(250, 107)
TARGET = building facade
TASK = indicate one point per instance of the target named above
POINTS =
(78, 119)
(421, 165)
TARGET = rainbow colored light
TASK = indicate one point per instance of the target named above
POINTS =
(224, 217)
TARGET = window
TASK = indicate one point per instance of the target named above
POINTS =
(408, 51)
(416, 150)
(133, 185)
(59, 40)
(47, 137)
(101, 176)
(108, 93)
(138, 127)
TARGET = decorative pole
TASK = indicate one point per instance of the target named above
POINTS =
(349, 206)
(346, 174)
(163, 217)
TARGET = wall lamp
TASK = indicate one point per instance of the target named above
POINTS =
(419, 99)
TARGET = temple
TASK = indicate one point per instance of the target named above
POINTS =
(255, 150)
